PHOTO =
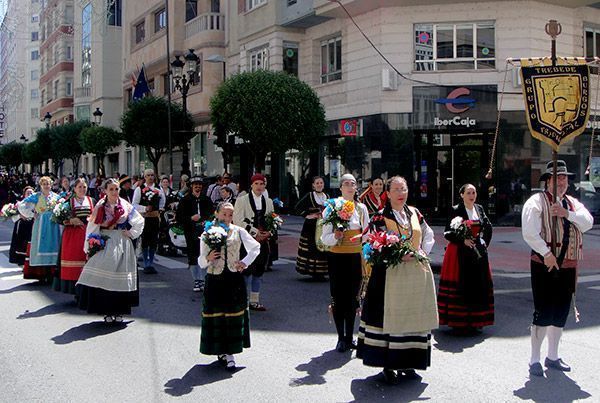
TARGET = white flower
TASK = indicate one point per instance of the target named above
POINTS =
(217, 230)
(456, 222)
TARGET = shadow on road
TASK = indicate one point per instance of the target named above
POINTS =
(373, 388)
(555, 387)
(88, 331)
(11, 273)
(48, 310)
(317, 367)
(448, 340)
(198, 375)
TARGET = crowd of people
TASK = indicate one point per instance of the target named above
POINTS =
(230, 238)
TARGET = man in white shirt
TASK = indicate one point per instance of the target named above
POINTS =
(553, 273)
(213, 190)
(148, 200)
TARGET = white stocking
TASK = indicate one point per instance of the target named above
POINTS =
(554, 334)
(537, 337)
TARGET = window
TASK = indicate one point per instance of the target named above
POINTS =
(592, 44)
(140, 32)
(191, 9)
(35, 75)
(259, 59)
(35, 55)
(86, 46)
(69, 87)
(35, 94)
(464, 46)
(69, 52)
(35, 113)
(331, 60)
(215, 6)
(34, 36)
(160, 20)
(69, 17)
(254, 3)
(114, 12)
(55, 89)
(35, 18)
(151, 85)
(290, 58)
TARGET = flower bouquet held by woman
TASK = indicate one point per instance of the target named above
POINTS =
(9, 211)
(389, 248)
(96, 243)
(61, 212)
(338, 213)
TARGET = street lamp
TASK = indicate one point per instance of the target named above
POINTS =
(47, 119)
(97, 116)
(185, 74)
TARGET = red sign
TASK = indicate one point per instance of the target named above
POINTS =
(349, 128)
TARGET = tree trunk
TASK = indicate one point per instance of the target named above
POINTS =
(100, 158)
(75, 162)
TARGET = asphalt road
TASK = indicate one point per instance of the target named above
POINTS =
(52, 352)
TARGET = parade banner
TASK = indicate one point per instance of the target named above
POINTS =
(556, 98)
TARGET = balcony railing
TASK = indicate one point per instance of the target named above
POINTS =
(83, 92)
(205, 22)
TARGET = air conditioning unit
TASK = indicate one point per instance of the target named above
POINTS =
(389, 79)
(516, 77)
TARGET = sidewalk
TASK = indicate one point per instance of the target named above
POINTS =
(508, 252)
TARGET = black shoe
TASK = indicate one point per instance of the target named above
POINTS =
(341, 346)
(350, 345)
(536, 369)
(557, 364)
(150, 270)
(411, 374)
(389, 376)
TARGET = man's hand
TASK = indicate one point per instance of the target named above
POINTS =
(149, 209)
(469, 243)
(550, 261)
(196, 217)
(556, 210)
(338, 234)
(240, 266)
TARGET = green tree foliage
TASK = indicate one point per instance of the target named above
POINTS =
(65, 142)
(99, 140)
(11, 154)
(270, 111)
(145, 124)
(39, 150)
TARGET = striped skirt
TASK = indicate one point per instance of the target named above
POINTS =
(310, 260)
(225, 319)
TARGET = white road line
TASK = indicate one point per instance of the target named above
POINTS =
(512, 275)
(170, 263)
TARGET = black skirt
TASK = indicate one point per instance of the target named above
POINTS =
(310, 260)
(20, 237)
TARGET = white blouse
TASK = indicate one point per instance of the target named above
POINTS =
(427, 237)
(250, 244)
(355, 223)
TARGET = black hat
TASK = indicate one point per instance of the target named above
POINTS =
(196, 179)
(561, 169)
(124, 178)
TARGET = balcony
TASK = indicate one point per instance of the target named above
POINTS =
(205, 22)
(83, 92)
(302, 14)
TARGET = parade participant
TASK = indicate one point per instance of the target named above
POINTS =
(344, 262)
(21, 235)
(466, 291)
(213, 190)
(65, 187)
(228, 183)
(126, 191)
(171, 196)
(72, 255)
(225, 319)
(183, 185)
(45, 235)
(250, 213)
(399, 309)
(108, 284)
(226, 196)
(553, 273)
(374, 197)
(311, 261)
(192, 210)
(148, 200)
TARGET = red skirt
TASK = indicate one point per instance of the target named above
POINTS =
(72, 256)
(465, 302)
(35, 272)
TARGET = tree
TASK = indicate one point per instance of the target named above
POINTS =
(65, 142)
(145, 124)
(99, 140)
(11, 154)
(270, 111)
(39, 150)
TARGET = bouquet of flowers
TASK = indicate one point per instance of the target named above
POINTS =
(389, 248)
(61, 212)
(273, 222)
(215, 235)
(338, 213)
(9, 210)
(150, 197)
(465, 230)
(96, 243)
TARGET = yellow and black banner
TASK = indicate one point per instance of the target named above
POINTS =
(556, 98)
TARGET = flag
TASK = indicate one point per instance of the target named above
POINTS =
(141, 86)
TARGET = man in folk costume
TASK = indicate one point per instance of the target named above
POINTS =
(148, 199)
(192, 210)
(250, 213)
(126, 191)
(553, 274)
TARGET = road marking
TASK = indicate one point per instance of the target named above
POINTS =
(512, 291)
(512, 275)
(170, 263)
(282, 261)
(596, 287)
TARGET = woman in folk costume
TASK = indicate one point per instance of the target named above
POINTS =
(45, 235)
(108, 284)
(344, 261)
(72, 255)
(21, 235)
(311, 261)
(225, 319)
(250, 213)
(374, 197)
(466, 291)
(399, 309)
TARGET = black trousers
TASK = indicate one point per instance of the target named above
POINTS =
(150, 232)
(345, 276)
(552, 294)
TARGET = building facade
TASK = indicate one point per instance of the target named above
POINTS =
(384, 123)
